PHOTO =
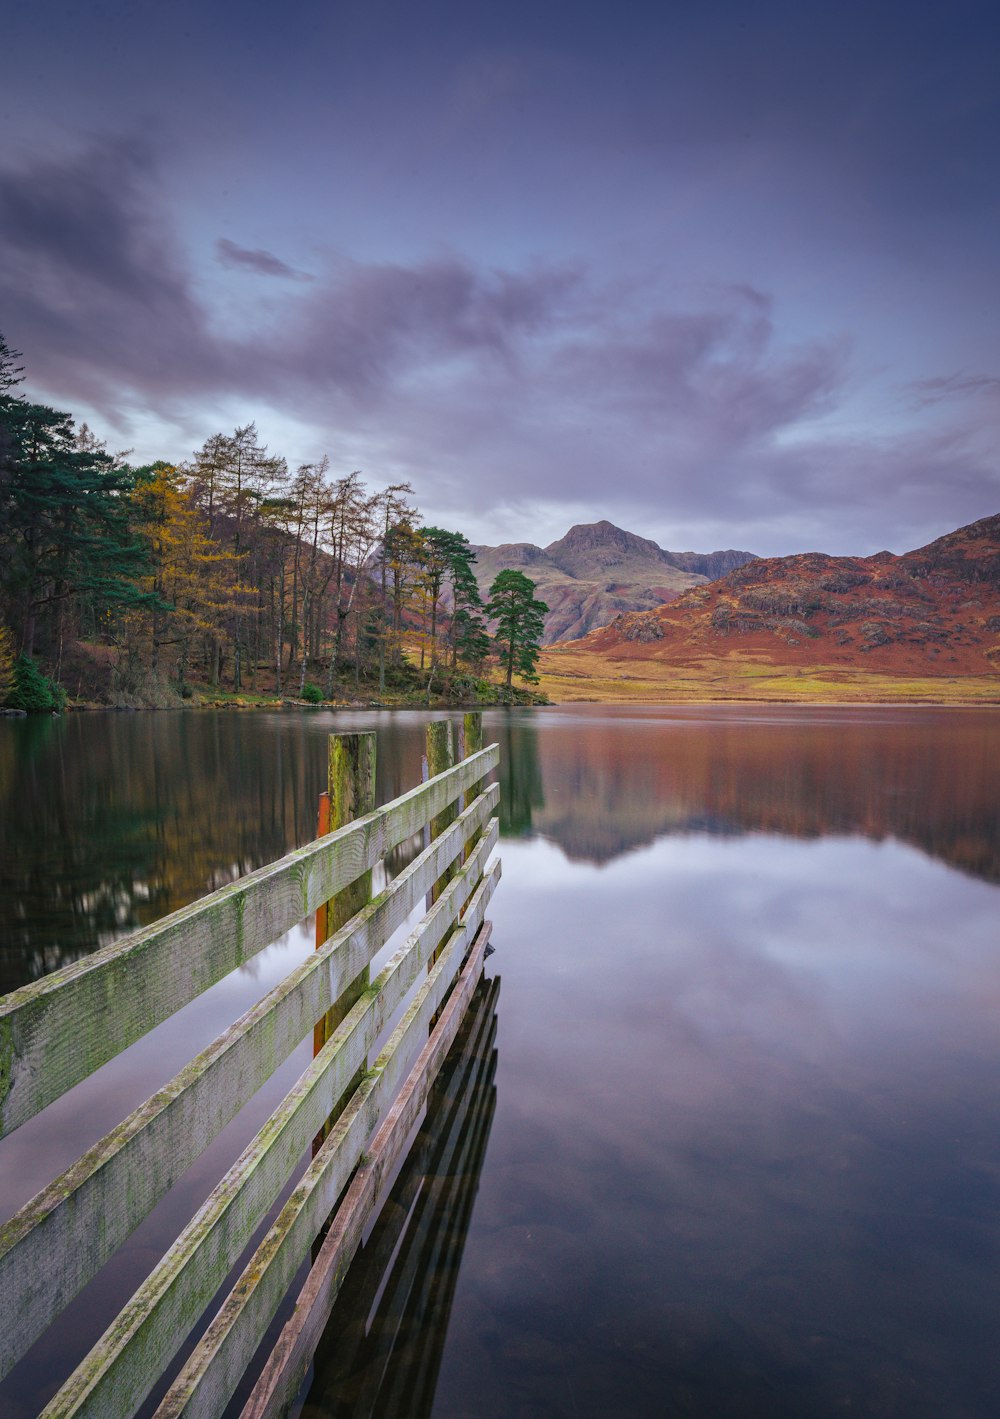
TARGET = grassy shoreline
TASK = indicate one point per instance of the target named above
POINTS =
(578, 677)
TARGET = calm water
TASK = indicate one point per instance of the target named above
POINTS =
(722, 1134)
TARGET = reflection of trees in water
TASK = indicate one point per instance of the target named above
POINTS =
(520, 775)
(932, 781)
(108, 822)
(382, 1348)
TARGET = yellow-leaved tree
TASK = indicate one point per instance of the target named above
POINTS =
(195, 583)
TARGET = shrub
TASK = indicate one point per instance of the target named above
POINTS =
(312, 694)
(33, 691)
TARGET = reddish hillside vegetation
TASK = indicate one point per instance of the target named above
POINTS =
(934, 611)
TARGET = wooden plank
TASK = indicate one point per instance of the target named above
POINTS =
(121, 1369)
(427, 1156)
(56, 1031)
(409, 1284)
(288, 1363)
(405, 1181)
(61, 1238)
(216, 1366)
(423, 1290)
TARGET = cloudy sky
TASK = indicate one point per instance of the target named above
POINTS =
(724, 273)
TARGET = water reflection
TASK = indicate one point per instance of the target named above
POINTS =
(745, 1161)
(520, 774)
(606, 783)
(383, 1345)
(108, 822)
(744, 1158)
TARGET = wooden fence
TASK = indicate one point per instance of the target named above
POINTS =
(381, 1351)
(357, 1114)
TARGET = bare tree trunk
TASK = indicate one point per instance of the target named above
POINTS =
(305, 642)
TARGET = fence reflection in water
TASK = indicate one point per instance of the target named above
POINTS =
(382, 1348)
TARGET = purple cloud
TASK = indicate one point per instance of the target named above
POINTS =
(93, 284)
(954, 386)
(497, 391)
(261, 263)
(91, 281)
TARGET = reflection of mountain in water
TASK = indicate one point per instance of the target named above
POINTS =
(929, 778)
(108, 822)
(382, 1348)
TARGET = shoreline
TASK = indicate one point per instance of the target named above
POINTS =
(717, 701)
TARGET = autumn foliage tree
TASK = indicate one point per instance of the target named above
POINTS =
(193, 584)
(221, 569)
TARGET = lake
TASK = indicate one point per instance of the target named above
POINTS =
(721, 1136)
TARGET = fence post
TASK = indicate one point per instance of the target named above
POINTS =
(322, 828)
(441, 756)
(351, 794)
(472, 742)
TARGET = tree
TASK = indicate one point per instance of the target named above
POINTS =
(65, 540)
(448, 574)
(234, 480)
(519, 623)
(6, 663)
(193, 587)
(402, 551)
(355, 529)
(11, 373)
(32, 691)
(393, 508)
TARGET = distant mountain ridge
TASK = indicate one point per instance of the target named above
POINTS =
(598, 571)
(934, 611)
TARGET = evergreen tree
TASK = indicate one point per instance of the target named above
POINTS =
(32, 691)
(64, 528)
(470, 641)
(519, 623)
(448, 573)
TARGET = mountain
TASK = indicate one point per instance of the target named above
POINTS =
(598, 571)
(933, 611)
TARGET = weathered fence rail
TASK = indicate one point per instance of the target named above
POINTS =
(353, 1111)
(402, 1284)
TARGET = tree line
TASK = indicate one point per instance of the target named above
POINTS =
(232, 569)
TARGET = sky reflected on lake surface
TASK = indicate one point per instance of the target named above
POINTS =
(731, 1145)
(745, 1159)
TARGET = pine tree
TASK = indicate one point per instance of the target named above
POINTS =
(519, 618)
(64, 529)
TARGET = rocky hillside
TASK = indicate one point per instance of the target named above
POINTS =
(598, 571)
(934, 610)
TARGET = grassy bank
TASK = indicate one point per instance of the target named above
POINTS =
(578, 676)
